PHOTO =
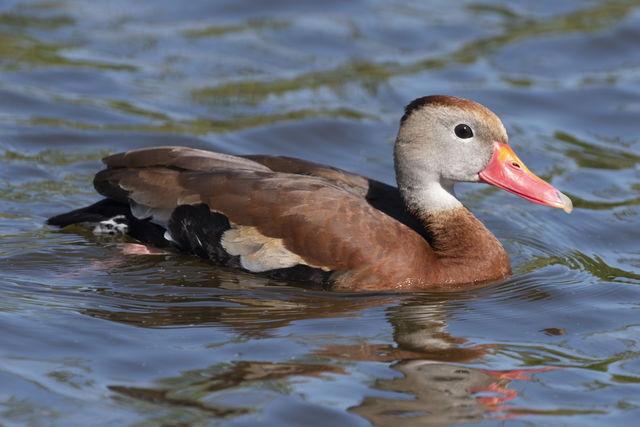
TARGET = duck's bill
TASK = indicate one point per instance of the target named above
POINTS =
(505, 170)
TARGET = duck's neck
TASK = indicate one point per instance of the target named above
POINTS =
(430, 198)
(465, 249)
(422, 187)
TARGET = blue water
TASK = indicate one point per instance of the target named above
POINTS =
(89, 336)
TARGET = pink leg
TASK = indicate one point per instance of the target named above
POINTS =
(138, 249)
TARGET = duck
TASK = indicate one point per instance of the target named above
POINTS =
(305, 222)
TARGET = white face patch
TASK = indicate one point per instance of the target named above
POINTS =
(258, 252)
(112, 226)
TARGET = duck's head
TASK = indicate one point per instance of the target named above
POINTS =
(443, 140)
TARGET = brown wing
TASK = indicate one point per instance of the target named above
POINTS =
(381, 196)
(314, 217)
(181, 158)
(349, 181)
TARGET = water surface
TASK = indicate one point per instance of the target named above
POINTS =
(90, 336)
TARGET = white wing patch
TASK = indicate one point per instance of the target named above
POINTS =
(112, 226)
(258, 252)
(169, 237)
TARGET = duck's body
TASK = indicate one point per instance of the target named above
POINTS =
(299, 220)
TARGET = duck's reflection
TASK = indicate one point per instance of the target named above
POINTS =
(429, 393)
(434, 382)
(433, 387)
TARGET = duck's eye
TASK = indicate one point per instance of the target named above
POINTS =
(463, 131)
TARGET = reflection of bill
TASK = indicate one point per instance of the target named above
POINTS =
(441, 394)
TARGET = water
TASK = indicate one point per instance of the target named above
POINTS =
(90, 336)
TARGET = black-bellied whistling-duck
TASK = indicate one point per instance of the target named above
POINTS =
(298, 220)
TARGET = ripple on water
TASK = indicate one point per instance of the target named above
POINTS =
(171, 291)
(560, 279)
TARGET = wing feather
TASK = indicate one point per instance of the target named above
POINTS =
(321, 219)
